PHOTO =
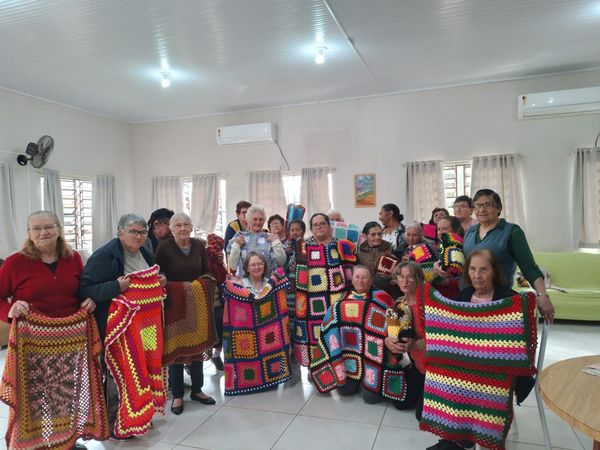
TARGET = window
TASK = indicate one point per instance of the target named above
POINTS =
(77, 211)
(457, 180)
(292, 188)
(221, 224)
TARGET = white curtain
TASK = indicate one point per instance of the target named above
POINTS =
(266, 189)
(8, 219)
(205, 201)
(167, 192)
(424, 188)
(53, 192)
(586, 199)
(314, 191)
(501, 173)
(104, 210)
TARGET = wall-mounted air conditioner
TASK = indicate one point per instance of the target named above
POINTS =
(251, 133)
(555, 103)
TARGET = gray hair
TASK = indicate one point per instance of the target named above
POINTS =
(256, 209)
(415, 225)
(180, 216)
(131, 219)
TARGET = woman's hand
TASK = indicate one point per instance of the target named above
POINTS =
(271, 237)
(19, 308)
(546, 307)
(437, 268)
(240, 240)
(89, 305)
(162, 280)
(124, 283)
(397, 347)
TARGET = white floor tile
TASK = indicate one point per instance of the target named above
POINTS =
(352, 408)
(287, 398)
(319, 433)
(238, 428)
(394, 438)
(403, 419)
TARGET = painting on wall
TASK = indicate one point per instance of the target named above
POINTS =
(364, 190)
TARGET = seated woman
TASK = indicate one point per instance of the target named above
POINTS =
(243, 242)
(374, 247)
(351, 350)
(256, 340)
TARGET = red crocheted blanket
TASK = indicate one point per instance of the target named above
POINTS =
(52, 382)
(134, 348)
(189, 320)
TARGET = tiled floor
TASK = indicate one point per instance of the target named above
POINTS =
(295, 417)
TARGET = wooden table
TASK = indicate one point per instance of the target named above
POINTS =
(574, 395)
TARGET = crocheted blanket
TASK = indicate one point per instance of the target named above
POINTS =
(134, 348)
(321, 282)
(346, 231)
(474, 351)
(189, 328)
(52, 382)
(256, 340)
(351, 346)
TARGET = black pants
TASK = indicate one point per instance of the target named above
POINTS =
(176, 378)
(218, 312)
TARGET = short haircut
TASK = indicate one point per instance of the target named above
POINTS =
(131, 219)
(325, 217)
(247, 261)
(455, 225)
(361, 266)
(179, 216)
(297, 222)
(436, 210)
(499, 278)
(464, 198)
(252, 210)
(273, 218)
(488, 193)
(241, 205)
(370, 225)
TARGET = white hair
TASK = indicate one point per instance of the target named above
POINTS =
(255, 209)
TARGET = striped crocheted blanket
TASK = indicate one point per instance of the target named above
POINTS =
(134, 348)
(256, 339)
(351, 346)
(189, 328)
(474, 352)
(321, 282)
(52, 382)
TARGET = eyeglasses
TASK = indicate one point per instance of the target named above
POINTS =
(406, 277)
(134, 233)
(40, 228)
(320, 224)
(484, 205)
(182, 225)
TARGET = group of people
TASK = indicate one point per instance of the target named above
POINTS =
(351, 312)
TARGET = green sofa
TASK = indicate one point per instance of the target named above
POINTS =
(579, 275)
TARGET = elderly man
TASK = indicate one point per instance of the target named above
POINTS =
(104, 277)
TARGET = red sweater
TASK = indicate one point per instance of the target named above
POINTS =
(52, 294)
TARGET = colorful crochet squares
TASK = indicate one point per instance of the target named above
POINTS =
(352, 310)
(301, 305)
(374, 348)
(348, 231)
(318, 305)
(452, 258)
(375, 320)
(244, 345)
(351, 338)
(294, 211)
(386, 264)
(394, 385)
(372, 376)
(301, 277)
(317, 280)
(336, 279)
(276, 367)
(420, 253)
(347, 251)
(315, 256)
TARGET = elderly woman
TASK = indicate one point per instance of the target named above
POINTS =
(276, 225)
(463, 211)
(508, 244)
(106, 276)
(268, 244)
(393, 230)
(437, 214)
(374, 247)
(43, 278)
(414, 238)
(183, 258)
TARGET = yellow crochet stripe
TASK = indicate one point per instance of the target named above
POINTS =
(470, 385)
(498, 318)
(487, 418)
(479, 342)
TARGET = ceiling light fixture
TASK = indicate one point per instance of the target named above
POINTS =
(165, 79)
(320, 57)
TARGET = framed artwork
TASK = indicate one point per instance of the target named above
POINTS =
(364, 190)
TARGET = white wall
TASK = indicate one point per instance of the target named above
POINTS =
(381, 134)
(85, 144)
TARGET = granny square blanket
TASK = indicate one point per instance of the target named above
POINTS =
(189, 328)
(256, 341)
(52, 382)
(134, 350)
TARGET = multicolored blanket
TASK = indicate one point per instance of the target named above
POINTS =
(320, 283)
(256, 340)
(351, 346)
(474, 352)
(52, 382)
(189, 328)
(134, 348)
(255, 242)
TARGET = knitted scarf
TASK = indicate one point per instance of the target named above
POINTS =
(474, 351)
(134, 348)
(189, 328)
(351, 346)
(256, 342)
(52, 382)
(320, 283)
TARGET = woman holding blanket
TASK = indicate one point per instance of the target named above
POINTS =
(183, 259)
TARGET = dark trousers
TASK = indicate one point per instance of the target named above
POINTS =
(176, 378)
(218, 312)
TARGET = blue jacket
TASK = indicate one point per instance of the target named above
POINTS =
(99, 278)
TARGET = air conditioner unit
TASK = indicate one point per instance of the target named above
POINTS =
(251, 133)
(556, 103)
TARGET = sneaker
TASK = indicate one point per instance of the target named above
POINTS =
(218, 363)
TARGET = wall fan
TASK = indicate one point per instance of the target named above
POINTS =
(37, 153)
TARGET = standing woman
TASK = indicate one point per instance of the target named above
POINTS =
(183, 258)
(508, 244)
(42, 279)
(393, 230)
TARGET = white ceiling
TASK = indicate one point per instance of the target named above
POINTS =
(105, 56)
